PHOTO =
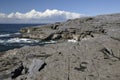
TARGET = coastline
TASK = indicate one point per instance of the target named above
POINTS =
(87, 48)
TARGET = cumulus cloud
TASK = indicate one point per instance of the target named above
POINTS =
(34, 16)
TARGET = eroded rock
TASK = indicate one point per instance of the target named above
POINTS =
(93, 53)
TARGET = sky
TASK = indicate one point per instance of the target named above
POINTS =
(45, 11)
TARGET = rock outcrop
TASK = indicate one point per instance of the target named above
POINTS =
(88, 26)
(94, 55)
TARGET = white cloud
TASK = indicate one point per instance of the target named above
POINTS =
(38, 17)
(2, 15)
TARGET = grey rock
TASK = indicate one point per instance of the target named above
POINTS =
(102, 24)
(35, 67)
(94, 56)
(56, 36)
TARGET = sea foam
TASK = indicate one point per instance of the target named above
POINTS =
(4, 35)
(19, 40)
(72, 40)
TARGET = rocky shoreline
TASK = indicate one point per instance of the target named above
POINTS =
(87, 49)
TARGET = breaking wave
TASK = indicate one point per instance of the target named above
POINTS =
(19, 40)
(9, 35)
(72, 40)
(24, 40)
(4, 35)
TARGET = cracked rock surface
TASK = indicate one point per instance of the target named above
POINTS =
(96, 56)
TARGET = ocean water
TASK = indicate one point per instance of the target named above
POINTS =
(9, 36)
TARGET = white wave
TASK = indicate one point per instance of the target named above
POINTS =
(1, 41)
(50, 42)
(4, 35)
(19, 40)
(72, 40)
(17, 33)
(24, 40)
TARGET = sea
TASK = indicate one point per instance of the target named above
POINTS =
(9, 37)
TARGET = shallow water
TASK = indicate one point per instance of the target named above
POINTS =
(9, 34)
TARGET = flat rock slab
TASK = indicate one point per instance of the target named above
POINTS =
(35, 67)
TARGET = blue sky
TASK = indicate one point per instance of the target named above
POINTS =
(87, 7)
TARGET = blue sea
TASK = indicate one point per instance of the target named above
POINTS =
(9, 36)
